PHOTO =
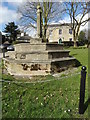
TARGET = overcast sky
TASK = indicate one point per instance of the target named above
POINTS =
(8, 13)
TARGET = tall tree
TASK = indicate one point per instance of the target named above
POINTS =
(81, 36)
(28, 14)
(77, 12)
(12, 30)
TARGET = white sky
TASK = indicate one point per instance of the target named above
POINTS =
(7, 15)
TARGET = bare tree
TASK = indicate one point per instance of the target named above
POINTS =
(77, 12)
(50, 12)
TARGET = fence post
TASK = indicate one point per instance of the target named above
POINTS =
(82, 90)
(3, 51)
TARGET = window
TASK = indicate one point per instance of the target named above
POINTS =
(70, 31)
(70, 39)
(60, 31)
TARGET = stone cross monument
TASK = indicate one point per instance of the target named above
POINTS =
(36, 57)
(39, 26)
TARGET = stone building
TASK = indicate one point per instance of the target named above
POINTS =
(59, 31)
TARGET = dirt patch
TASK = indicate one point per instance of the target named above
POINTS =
(66, 72)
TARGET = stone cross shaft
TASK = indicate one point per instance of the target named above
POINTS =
(39, 26)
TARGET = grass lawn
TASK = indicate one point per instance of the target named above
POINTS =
(52, 99)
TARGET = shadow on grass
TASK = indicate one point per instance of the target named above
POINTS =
(86, 104)
(74, 54)
(77, 63)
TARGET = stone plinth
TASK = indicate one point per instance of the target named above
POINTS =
(27, 47)
(38, 59)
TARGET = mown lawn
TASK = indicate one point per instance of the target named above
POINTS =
(58, 98)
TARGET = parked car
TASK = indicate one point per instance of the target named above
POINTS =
(4, 47)
(10, 48)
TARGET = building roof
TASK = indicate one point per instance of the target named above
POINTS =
(58, 24)
(6, 42)
(24, 38)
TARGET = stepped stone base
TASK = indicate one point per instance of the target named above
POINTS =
(15, 67)
(38, 59)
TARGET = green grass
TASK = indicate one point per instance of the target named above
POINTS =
(81, 55)
(54, 99)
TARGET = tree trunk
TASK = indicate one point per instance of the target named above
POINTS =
(75, 43)
(44, 33)
(74, 38)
